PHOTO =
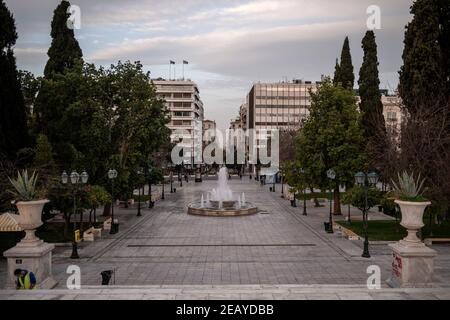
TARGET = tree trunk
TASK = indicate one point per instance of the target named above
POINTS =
(337, 202)
(107, 210)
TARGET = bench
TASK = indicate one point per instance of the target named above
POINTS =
(430, 241)
(88, 235)
(347, 233)
(107, 224)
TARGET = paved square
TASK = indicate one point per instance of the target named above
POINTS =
(166, 246)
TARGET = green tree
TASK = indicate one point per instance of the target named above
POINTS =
(332, 138)
(64, 51)
(371, 106)
(44, 153)
(337, 75)
(55, 95)
(422, 76)
(345, 76)
(13, 125)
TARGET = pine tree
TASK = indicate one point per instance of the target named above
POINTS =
(369, 91)
(13, 125)
(422, 76)
(346, 75)
(64, 50)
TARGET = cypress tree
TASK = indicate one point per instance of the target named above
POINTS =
(337, 69)
(346, 75)
(56, 94)
(371, 105)
(422, 76)
(13, 125)
(64, 50)
(444, 39)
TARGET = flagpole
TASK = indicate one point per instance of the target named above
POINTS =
(183, 70)
(170, 70)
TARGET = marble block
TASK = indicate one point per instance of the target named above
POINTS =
(412, 266)
(36, 258)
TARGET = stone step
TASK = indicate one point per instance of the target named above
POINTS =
(234, 292)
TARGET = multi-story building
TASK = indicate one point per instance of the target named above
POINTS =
(393, 114)
(278, 105)
(186, 110)
(209, 132)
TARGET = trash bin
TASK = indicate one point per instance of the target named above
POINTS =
(327, 226)
(106, 277)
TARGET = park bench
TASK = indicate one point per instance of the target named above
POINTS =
(107, 224)
(430, 241)
(88, 235)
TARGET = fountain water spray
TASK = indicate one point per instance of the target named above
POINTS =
(243, 199)
(202, 202)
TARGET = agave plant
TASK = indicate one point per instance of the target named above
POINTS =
(408, 187)
(25, 187)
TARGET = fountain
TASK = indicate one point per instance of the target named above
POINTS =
(221, 202)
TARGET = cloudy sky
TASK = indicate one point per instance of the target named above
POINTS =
(229, 44)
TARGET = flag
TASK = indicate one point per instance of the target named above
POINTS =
(185, 62)
(172, 62)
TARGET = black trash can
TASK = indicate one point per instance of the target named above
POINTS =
(106, 277)
(327, 226)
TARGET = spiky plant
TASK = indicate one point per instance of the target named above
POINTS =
(25, 187)
(409, 188)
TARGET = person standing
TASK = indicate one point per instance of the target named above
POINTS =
(25, 279)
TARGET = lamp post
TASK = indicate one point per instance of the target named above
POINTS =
(163, 167)
(75, 180)
(171, 177)
(366, 180)
(112, 175)
(282, 185)
(150, 202)
(294, 201)
(274, 181)
(140, 173)
(303, 172)
(331, 174)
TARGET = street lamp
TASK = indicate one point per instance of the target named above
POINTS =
(282, 185)
(303, 172)
(331, 174)
(150, 202)
(294, 201)
(112, 175)
(140, 173)
(75, 180)
(170, 165)
(366, 180)
(163, 181)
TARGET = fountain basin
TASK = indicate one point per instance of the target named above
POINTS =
(196, 209)
(225, 204)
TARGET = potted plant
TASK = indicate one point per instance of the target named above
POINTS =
(412, 204)
(30, 208)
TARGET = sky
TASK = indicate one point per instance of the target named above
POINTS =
(229, 44)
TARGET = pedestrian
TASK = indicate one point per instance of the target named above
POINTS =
(25, 279)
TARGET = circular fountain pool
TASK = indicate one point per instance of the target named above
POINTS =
(221, 203)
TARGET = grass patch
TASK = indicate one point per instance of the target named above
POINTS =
(379, 230)
(321, 195)
(54, 232)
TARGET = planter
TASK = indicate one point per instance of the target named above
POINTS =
(412, 220)
(30, 213)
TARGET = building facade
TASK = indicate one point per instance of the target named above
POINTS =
(278, 105)
(186, 110)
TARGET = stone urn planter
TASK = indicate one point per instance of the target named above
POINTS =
(412, 220)
(30, 213)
